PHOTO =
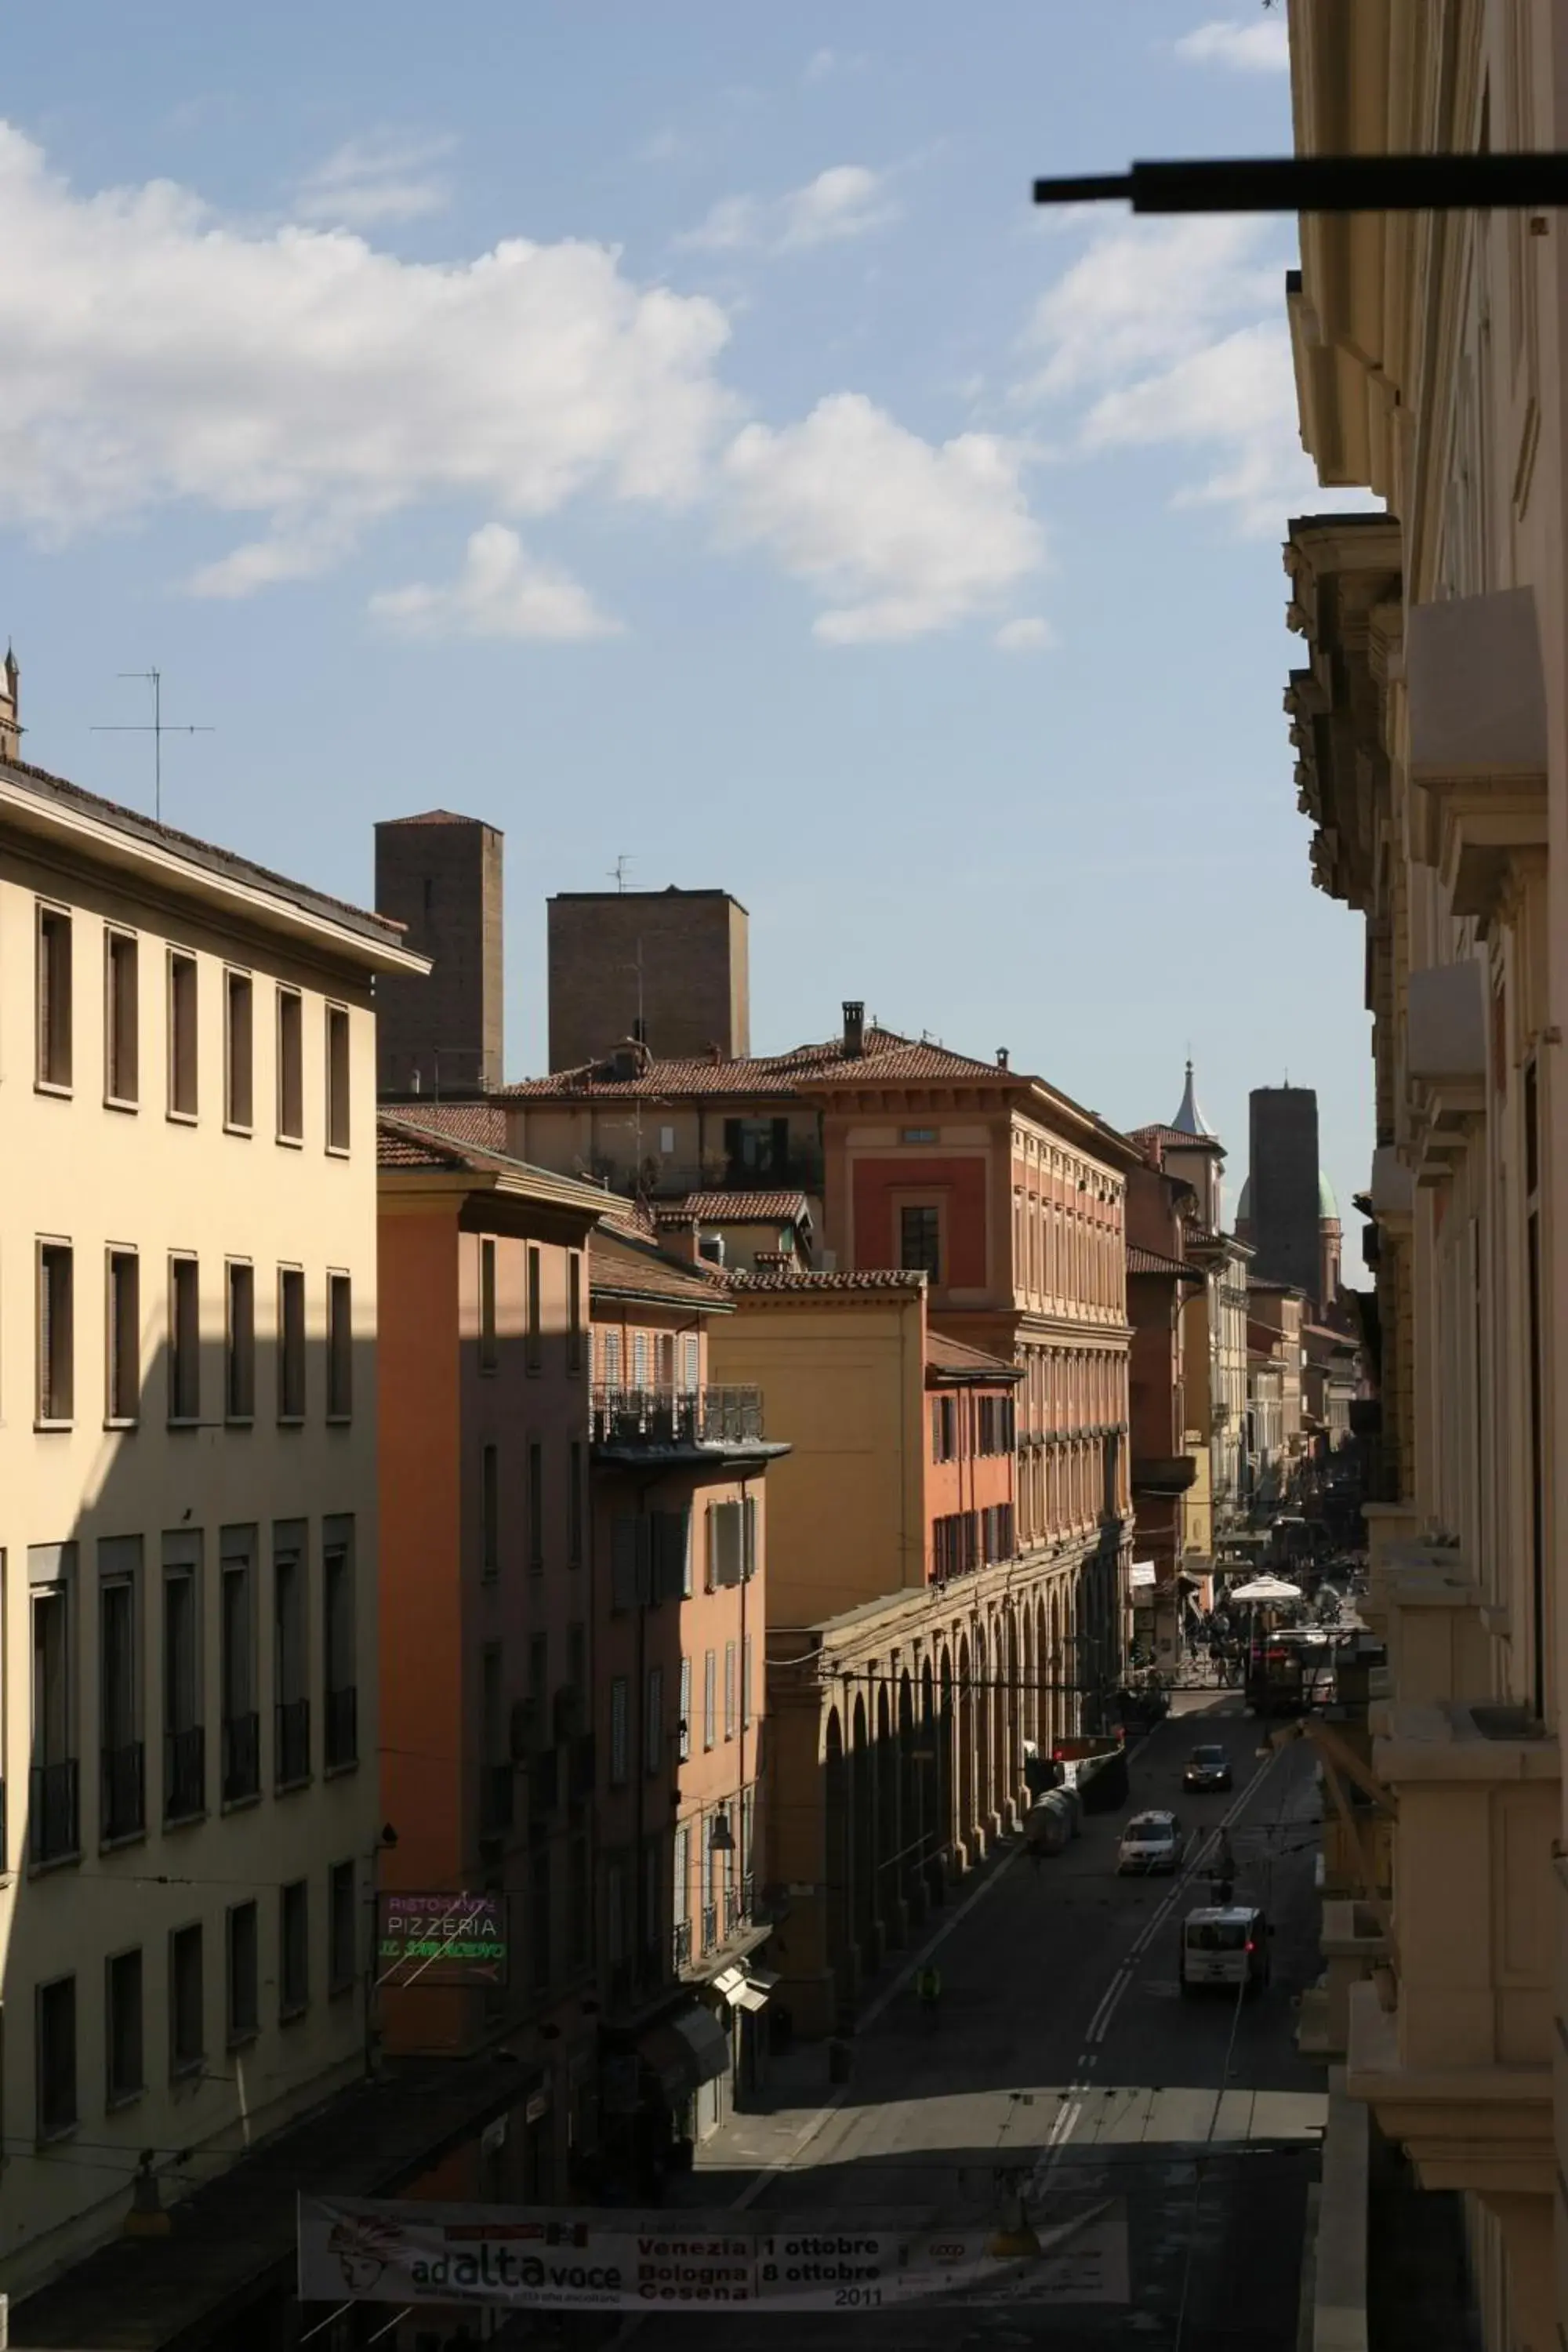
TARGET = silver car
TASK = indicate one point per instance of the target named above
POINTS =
(1151, 1841)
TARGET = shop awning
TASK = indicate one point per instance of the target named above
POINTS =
(687, 2051)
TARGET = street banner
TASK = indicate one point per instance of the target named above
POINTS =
(561, 2258)
(441, 1939)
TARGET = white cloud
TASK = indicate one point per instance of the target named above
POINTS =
(501, 591)
(154, 354)
(826, 65)
(368, 181)
(1029, 633)
(1173, 334)
(848, 200)
(1260, 48)
(904, 538)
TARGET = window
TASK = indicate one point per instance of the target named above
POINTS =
(185, 1340)
(238, 1052)
(666, 1360)
(746, 1684)
(729, 1690)
(653, 1721)
(575, 1504)
(53, 1821)
(918, 1135)
(236, 1666)
(338, 1648)
(488, 1349)
(755, 1148)
(291, 1066)
(920, 1240)
(182, 1036)
(610, 1364)
(293, 1950)
(943, 1428)
(122, 1787)
(54, 1004)
(56, 2042)
(573, 1313)
(290, 1343)
(241, 1973)
(124, 2077)
(337, 1078)
(185, 1748)
(535, 1506)
(577, 1902)
(732, 1542)
(122, 1369)
(292, 1757)
(187, 2039)
(489, 1511)
(534, 1356)
(710, 1696)
(642, 1359)
(57, 1353)
(671, 1544)
(342, 1939)
(681, 1880)
(340, 1348)
(691, 1362)
(120, 1070)
(239, 1342)
(683, 1728)
(619, 1712)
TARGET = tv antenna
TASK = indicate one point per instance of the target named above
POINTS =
(158, 728)
(619, 871)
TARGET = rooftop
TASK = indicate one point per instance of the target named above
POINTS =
(1145, 1261)
(955, 1359)
(885, 1056)
(404, 1144)
(736, 1209)
(805, 1283)
(35, 800)
(622, 1265)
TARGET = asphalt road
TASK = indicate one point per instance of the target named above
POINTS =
(1066, 2064)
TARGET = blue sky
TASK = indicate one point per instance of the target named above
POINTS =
(669, 432)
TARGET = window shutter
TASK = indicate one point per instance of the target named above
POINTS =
(749, 1537)
(623, 1563)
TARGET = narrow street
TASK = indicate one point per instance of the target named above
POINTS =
(1066, 2063)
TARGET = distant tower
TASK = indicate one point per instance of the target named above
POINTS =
(10, 709)
(1282, 1203)
(1329, 1241)
(1201, 1162)
(440, 876)
(675, 960)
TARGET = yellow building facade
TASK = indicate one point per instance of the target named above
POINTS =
(187, 1507)
(1430, 717)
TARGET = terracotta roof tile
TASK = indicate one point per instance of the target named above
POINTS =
(622, 1265)
(1155, 1142)
(735, 1208)
(205, 853)
(466, 1122)
(956, 1356)
(874, 1278)
(1144, 1261)
(886, 1055)
(407, 1143)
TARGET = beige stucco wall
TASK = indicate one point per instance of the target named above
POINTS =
(92, 1176)
(843, 1380)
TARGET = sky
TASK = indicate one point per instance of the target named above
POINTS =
(670, 433)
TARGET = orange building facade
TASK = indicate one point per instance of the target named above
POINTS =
(488, 1758)
(680, 1522)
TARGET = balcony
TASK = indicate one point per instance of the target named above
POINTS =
(1429, 1607)
(342, 1728)
(53, 1811)
(710, 1925)
(635, 1425)
(122, 1791)
(1455, 2055)
(291, 1732)
(185, 1774)
(680, 1944)
(738, 1907)
(1166, 1475)
(241, 1753)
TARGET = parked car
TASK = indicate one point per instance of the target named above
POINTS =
(1206, 1767)
(1224, 1944)
(1151, 1841)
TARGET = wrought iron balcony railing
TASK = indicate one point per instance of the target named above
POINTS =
(53, 1811)
(184, 1773)
(680, 1944)
(291, 1761)
(241, 1742)
(123, 1790)
(665, 1417)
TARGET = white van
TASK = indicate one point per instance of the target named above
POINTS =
(1225, 1945)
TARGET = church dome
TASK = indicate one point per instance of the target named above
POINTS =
(1327, 1206)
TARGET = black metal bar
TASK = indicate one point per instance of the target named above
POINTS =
(1530, 181)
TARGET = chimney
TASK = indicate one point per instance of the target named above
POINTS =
(854, 1030)
(1001, 1057)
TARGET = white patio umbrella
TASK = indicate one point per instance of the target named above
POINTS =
(1264, 1589)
